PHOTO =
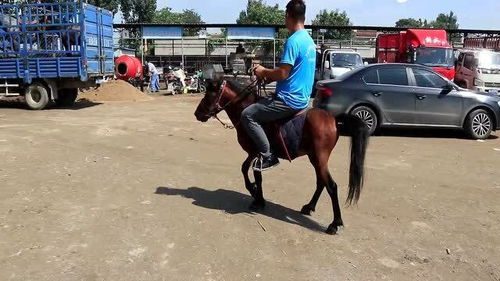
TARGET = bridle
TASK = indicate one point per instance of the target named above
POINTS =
(219, 108)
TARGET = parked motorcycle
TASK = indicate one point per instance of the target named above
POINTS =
(178, 82)
(174, 78)
(195, 84)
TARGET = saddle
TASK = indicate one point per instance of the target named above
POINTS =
(285, 135)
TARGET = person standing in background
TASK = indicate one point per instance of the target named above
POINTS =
(154, 84)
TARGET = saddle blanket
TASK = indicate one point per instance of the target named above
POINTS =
(285, 136)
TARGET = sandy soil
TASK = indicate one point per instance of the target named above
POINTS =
(141, 191)
(114, 90)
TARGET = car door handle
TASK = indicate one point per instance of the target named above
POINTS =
(376, 94)
(421, 97)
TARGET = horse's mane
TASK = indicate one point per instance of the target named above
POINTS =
(238, 84)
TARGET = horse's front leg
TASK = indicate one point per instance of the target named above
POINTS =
(250, 186)
(259, 203)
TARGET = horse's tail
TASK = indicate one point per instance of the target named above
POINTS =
(357, 129)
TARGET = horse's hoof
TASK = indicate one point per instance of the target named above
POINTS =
(257, 206)
(332, 229)
(307, 210)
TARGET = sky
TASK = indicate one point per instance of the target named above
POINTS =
(478, 14)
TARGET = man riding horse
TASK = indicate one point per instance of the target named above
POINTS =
(295, 78)
(314, 133)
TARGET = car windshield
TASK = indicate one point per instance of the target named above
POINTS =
(346, 60)
(435, 57)
(489, 60)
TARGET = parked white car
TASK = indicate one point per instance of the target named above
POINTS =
(334, 62)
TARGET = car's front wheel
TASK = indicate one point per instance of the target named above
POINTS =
(368, 116)
(479, 124)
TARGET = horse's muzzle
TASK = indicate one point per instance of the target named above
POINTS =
(202, 118)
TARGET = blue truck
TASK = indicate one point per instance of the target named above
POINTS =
(49, 51)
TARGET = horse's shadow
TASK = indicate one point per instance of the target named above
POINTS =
(234, 202)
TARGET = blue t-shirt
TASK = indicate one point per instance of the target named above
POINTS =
(300, 53)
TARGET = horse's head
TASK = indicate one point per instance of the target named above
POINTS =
(217, 97)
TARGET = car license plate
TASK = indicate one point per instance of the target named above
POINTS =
(493, 91)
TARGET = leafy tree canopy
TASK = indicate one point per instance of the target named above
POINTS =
(167, 16)
(412, 23)
(335, 17)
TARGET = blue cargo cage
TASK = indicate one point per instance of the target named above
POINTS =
(56, 46)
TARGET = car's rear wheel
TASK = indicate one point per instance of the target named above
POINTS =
(479, 124)
(368, 116)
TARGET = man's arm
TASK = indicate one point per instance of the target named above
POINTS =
(269, 75)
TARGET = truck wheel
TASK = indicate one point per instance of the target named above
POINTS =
(37, 96)
(479, 124)
(368, 116)
(66, 97)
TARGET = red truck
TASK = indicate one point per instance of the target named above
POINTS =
(429, 47)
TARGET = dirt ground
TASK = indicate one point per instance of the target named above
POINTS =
(114, 90)
(142, 191)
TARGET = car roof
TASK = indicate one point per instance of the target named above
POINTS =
(341, 51)
(386, 65)
(411, 65)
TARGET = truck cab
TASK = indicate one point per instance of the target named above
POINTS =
(426, 47)
(331, 63)
(478, 70)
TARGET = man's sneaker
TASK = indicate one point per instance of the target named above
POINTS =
(264, 163)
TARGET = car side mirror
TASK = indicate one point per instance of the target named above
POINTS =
(448, 88)
(365, 63)
(327, 64)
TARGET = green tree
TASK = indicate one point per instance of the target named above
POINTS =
(258, 12)
(412, 23)
(111, 5)
(335, 17)
(167, 16)
(138, 11)
(446, 21)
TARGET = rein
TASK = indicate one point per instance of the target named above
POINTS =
(243, 94)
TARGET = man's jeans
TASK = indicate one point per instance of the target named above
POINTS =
(264, 111)
(155, 82)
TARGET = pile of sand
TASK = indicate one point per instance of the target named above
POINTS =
(114, 90)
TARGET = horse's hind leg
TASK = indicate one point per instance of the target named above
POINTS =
(320, 163)
(311, 206)
(331, 187)
(250, 186)
(259, 203)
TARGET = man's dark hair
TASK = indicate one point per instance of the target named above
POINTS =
(296, 9)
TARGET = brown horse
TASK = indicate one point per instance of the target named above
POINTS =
(319, 137)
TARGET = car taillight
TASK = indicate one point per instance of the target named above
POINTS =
(324, 91)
